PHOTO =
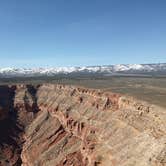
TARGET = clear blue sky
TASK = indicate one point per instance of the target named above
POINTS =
(36, 33)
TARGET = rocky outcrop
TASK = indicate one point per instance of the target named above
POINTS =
(16, 112)
(78, 126)
(73, 126)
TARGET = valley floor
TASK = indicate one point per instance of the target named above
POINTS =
(150, 89)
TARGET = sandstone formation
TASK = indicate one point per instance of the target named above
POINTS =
(17, 110)
(71, 126)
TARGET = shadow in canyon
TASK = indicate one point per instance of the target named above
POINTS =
(10, 131)
(12, 126)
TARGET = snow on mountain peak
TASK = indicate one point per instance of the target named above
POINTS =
(9, 71)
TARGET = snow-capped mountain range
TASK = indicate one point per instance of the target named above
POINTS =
(109, 69)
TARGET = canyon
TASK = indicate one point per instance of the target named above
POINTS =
(64, 125)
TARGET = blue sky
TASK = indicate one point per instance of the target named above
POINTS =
(36, 33)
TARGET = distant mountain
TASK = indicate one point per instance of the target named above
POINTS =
(109, 69)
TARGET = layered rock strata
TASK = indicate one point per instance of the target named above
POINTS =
(17, 110)
(73, 126)
(79, 126)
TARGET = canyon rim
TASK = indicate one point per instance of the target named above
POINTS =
(48, 125)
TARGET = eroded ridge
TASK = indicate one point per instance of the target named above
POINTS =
(17, 110)
(78, 126)
(57, 125)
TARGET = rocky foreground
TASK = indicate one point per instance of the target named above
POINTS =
(56, 125)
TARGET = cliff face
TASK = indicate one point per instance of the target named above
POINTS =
(16, 112)
(66, 125)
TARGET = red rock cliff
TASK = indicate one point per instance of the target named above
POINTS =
(17, 110)
(78, 126)
(56, 125)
